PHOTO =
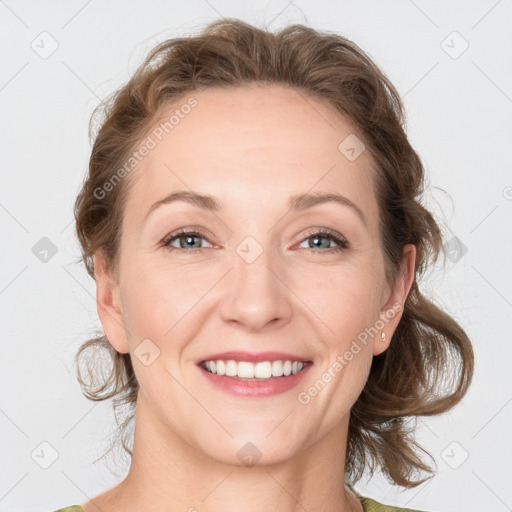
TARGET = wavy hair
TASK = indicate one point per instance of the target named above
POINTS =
(428, 366)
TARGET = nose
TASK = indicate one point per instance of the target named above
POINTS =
(256, 295)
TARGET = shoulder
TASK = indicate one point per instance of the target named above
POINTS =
(370, 505)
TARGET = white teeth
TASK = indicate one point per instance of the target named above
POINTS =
(231, 368)
(248, 370)
(245, 370)
(277, 368)
(263, 370)
(221, 368)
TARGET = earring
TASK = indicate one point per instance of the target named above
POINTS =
(382, 336)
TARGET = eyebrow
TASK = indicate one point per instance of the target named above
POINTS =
(298, 202)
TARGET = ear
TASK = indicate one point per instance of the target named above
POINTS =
(107, 300)
(392, 311)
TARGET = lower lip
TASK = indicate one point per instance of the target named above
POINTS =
(272, 386)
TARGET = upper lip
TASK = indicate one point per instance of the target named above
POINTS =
(253, 357)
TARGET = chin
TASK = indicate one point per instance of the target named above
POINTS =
(254, 448)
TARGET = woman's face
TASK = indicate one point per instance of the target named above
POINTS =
(254, 277)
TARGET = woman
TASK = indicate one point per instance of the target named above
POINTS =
(252, 219)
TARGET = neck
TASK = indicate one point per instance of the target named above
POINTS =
(167, 471)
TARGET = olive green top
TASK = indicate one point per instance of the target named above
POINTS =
(369, 505)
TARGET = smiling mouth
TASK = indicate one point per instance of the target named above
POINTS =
(260, 371)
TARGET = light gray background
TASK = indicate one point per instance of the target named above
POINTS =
(459, 119)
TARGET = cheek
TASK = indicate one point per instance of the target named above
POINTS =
(153, 302)
(156, 302)
(346, 299)
(348, 306)
(156, 297)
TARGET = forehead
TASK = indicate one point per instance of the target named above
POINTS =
(251, 145)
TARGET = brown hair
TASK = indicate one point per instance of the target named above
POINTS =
(429, 364)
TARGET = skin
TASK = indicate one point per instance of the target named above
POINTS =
(251, 148)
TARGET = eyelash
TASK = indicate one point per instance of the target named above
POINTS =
(341, 242)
